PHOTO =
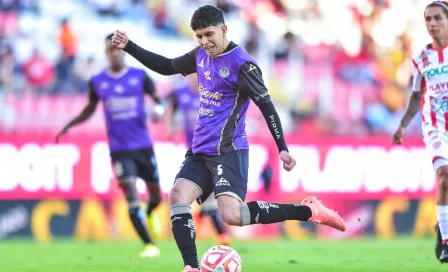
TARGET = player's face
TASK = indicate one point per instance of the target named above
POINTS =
(436, 22)
(212, 39)
(115, 56)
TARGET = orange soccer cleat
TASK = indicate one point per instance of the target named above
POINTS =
(322, 215)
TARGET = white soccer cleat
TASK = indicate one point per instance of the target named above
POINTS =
(149, 252)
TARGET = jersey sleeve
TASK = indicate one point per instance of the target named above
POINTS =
(250, 81)
(418, 81)
(186, 64)
(149, 86)
(153, 61)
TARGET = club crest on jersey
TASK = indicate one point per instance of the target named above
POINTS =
(436, 145)
(224, 72)
(133, 81)
(426, 62)
(424, 54)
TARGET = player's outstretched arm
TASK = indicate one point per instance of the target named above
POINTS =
(150, 89)
(170, 112)
(153, 61)
(412, 107)
(85, 114)
(251, 82)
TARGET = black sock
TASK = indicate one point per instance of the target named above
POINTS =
(138, 220)
(151, 206)
(217, 221)
(262, 212)
(185, 235)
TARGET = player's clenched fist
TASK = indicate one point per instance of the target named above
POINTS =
(396, 138)
(288, 161)
(119, 39)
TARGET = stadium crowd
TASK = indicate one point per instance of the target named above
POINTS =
(332, 67)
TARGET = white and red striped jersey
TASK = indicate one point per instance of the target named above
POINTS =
(430, 70)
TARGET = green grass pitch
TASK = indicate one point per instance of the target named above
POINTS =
(365, 254)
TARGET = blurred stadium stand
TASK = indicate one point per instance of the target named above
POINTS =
(332, 67)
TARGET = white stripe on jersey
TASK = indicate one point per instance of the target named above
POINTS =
(430, 75)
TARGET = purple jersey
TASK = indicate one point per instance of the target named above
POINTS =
(123, 104)
(225, 84)
(186, 100)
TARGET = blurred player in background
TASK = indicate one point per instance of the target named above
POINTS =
(430, 91)
(219, 159)
(122, 89)
(185, 98)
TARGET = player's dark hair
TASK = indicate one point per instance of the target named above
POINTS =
(206, 16)
(109, 37)
(440, 4)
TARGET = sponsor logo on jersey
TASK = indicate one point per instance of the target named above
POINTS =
(435, 71)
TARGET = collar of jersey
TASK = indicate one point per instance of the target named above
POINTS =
(232, 46)
(119, 74)
(430, 47)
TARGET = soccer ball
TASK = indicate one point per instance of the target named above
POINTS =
(221, 259)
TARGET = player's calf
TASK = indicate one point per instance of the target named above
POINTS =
(181, 196)
(229, 210)
(262, 212)
(155, 197)
(135, 213)
(233, 212)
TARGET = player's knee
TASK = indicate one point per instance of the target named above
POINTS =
(175, 196)
(179, 194)
(184, 191)
(126, 183)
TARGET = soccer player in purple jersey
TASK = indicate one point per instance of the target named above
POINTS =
(228, 79)
(122, 89)
(185, 99)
